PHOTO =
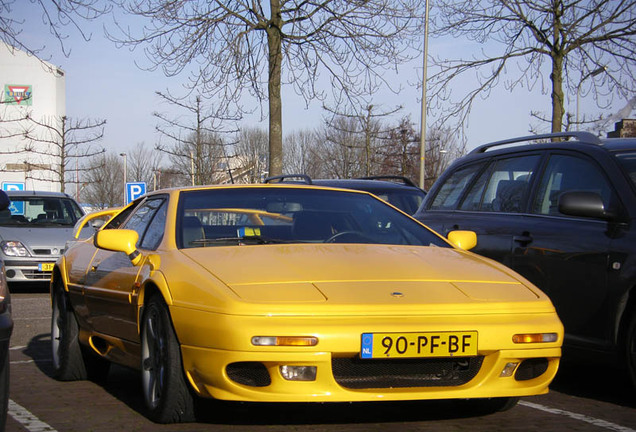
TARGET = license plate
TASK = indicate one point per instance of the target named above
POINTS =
(413, 345)
(47, 267)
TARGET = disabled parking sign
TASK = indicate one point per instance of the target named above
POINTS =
(134, 190)
(16, 208)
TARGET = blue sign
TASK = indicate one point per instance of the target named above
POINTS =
(12, 186)
(134, 191)
(16, 208)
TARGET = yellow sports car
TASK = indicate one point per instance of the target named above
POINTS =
(332, 295)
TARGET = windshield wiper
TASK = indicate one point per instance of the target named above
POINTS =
(239, 240)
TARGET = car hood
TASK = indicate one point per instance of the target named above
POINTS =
(354, 274)
(38, 237)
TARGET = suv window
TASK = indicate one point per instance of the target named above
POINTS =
(569, 173)
(628, 161)
(503, 187)
(451, 191)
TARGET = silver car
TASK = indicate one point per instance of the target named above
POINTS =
(33, 233)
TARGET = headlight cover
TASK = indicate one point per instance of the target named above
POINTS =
(14, 249)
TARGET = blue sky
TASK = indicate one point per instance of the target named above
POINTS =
(103, 82)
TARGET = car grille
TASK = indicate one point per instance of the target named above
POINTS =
(47, 252)
(356, 373)
(253, 374)
(36, 274)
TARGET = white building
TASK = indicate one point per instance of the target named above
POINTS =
(35, 88)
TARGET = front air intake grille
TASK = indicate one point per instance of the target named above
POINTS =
(36, 274)
(253, 374)
(356, 373)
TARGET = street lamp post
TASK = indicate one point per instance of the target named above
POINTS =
(125, 173)
(578, 90)
(423, 120)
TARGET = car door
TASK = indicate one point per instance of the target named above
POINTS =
(111, 292)
(493, 204)
(568, 257)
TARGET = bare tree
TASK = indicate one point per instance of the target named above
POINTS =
(55, 146)
(442, 148)
(57, 15)
(340, 148)
(400, 153)
(103, 186)
(197, 148)
(256, 46)
(368, 124)
(582, 44)
(143, 164)
(300, 156)
(251, 154)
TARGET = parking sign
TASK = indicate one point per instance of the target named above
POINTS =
(134, 190)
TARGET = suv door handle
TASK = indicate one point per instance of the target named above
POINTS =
(524, 239)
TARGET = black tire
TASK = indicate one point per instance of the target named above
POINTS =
(167, 395)
(68, 362)
(630, 349)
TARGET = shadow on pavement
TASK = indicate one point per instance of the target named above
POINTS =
(596, 381)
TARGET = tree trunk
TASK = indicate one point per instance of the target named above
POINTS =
(557, 69)
(62, 155)
(274, 43)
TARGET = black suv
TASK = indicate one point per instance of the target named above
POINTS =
(399, 191)
(562, 214)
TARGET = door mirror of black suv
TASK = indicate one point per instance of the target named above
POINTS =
(584, 204)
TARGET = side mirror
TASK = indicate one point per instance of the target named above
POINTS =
(463, 239)
(119, 240)
(584, 204)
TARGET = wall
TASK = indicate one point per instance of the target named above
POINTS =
(46, 103)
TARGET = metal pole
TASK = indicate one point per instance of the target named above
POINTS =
(423, 120)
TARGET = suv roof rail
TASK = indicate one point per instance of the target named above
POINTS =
(281, 178)
(583, 137)
(407, 181)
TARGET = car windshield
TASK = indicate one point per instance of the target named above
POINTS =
(628, 161)
(230, 217)
(41, 212)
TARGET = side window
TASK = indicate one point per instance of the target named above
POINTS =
(569, 173)
(450, 192)
(154, 233)
(503, 187)
(142, 217)
(116, 221)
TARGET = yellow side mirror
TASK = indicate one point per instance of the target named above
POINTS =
(463, 239)
(119, 240)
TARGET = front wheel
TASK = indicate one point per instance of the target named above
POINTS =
(166, 393)
(68, 363)
(71, 360)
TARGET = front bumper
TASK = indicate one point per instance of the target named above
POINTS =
(28, 270)
(220, 362)
(207, 371)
